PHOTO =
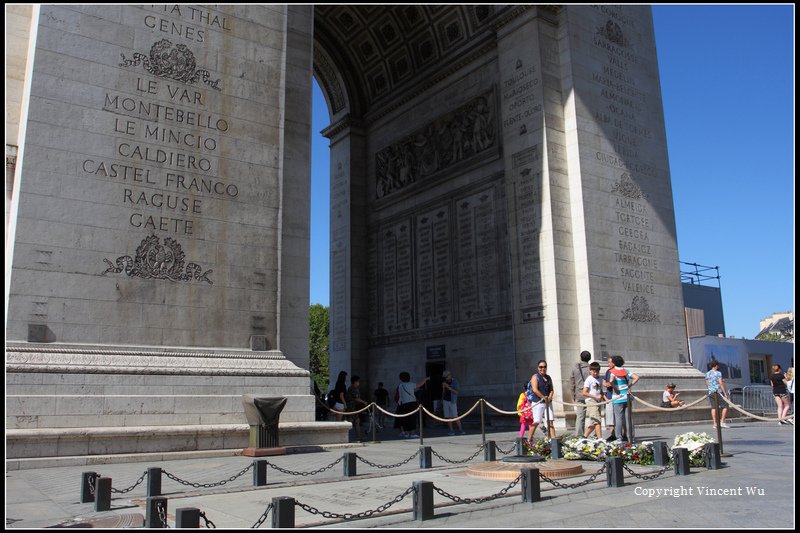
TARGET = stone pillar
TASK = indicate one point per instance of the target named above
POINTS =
(349, 243)
(628, 282)
(542, 259)
(161, 232)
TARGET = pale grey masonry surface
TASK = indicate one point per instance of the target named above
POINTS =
(151, 200)
(500, 194)
(518, 196)
(160, 268)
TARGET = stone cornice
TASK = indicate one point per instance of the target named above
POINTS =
(347, 122)
(89, 359)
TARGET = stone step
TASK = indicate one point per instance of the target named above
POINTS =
(60, 442)
(65, 411)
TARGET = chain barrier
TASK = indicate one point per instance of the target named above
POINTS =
(401, 463)
(206, 485)
(262, 517)
(162, 513)
(504, 452)
(590, 479)
(458, 499)
(350, 516)
(296, 473)
(209, 523)
(470, 458)
(644, 476)
(123, 491)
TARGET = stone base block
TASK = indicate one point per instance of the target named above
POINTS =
(60, 442)
(263, 452)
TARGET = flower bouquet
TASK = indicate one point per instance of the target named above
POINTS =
(694, 442)
(591, 449)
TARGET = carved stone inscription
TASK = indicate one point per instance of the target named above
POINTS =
(528, 226)
(450, 139)
(627, 137)
(434, 294)
(439, 268)
(167, 139)
(476, 236)
(339, 296)
(398, 297)
(519, 97)
(372, 283)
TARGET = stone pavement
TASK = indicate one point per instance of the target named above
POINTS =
(754, 489)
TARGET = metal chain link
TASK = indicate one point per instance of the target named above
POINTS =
(573, 485)
(92, 484)
(370, 463)
(123, 491)
(209, 523)
(644, 476)
(478, 500)
(262, 517)
(295, 473)
(470, 458)
(351, 516)
(162, 513)
(499, 449)
(206, 485)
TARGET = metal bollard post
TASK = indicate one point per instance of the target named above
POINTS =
(87, 486)
(520, 447)
(259, 472)
(350, 464)
(483, 423)
(153, 481)
(102, 494)
(425, 457)
(713, 461)
(156, 512)
(373, 420)
(282, 512)
(681, 458)
(531, 485)
(555, 448)
(489, 451)
(423, 500)
(187, 517)
(614, 473)
(660, 453)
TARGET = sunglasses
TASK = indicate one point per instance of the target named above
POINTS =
(542, 367)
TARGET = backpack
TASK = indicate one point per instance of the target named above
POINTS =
(330, 399)
(544, 386)
(530, 397)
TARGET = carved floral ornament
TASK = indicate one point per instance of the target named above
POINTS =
(628, 188)
(175, 62)
(154, 261)
(612, 31)
(640, 311)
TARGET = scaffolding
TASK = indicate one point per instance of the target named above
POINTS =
(695, 274)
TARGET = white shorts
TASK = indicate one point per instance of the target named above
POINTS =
(538, 413)
(609, 414)
(450, 409)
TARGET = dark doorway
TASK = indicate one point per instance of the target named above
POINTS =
(434, 371)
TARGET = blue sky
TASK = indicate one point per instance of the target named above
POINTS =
(727, 81)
